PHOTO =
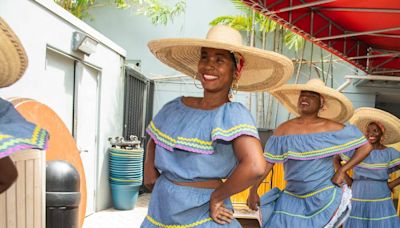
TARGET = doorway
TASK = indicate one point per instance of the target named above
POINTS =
(85, 125)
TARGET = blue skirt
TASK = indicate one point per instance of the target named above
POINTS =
(173, 205)
(372, 206)
(286, 209)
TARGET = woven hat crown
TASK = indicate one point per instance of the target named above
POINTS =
(224, 34)
(315, 82)
(13, 59)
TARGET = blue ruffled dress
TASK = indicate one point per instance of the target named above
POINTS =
(310, 199)
(372, 204)
(193, 145)
(18, 134)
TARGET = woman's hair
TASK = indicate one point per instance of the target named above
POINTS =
(234, 62)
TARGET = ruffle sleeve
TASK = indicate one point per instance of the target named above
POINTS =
(388, 158)
(314, 145)
(177, 126)
(394, 158)
(18, 134)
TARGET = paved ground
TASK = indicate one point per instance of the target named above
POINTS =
(112, 218)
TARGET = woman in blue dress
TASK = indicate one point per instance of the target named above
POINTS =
(196, 142)
(16, 133)
(372, 204)
(314, 195)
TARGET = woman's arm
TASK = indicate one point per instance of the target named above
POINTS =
(360, 154)
(394, 183)
(8, 173)
(337, 163)
(254, 199)
(250, 169)
(150, 172)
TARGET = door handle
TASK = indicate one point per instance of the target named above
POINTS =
(83, 151)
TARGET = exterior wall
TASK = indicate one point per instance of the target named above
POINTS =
(45, 24)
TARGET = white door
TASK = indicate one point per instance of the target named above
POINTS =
(86, 111)
(57, 85)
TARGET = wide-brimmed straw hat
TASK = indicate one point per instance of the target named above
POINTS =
(364, 116)
(262, 69)
(13, 59)
(336, 107)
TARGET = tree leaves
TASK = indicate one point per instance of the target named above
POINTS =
(262, 25)
(157, 12)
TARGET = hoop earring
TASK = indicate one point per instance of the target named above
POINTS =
(194, 82)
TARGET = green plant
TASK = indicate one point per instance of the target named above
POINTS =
(157, 12)
(258, 25)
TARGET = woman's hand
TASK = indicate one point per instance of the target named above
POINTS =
(253, 201)
(150, 176)
(219, 213)
(338, 178)
(8, 173)
(349, 181)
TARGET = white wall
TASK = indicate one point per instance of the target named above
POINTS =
(42, 23)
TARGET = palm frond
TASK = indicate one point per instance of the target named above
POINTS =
(241, 6)
(238, 22)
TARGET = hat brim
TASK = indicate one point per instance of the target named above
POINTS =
(337, 107)
(364, 116)
(263, 70)
(13, 59)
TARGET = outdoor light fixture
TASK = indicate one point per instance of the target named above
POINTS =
(83, 43)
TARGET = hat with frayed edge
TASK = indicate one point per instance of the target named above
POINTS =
(262, 70)
(364, 116)
(13, 59)
(337, 107)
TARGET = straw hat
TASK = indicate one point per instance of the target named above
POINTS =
(364, 116)
(337, 107)
(13, 59)
(262, 69)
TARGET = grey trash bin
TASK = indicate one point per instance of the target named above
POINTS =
(62, 195)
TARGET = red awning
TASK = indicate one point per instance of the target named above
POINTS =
(365, 33)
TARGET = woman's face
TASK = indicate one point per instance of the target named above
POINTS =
(374, 133)
(309, 102)
(216, 69)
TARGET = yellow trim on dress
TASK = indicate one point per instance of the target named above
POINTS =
(207, 143)
(309, 194)
(233, 128)
(371, 200)
(152, 220)
(373, 165)
(160, 133)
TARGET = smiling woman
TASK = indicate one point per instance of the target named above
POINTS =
(372, 204)
(197, 141)
(314, 195)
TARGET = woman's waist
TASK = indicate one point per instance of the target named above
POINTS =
(306, 187)
(209, 184)
(315, 192)
(196, 183)
(370, 189)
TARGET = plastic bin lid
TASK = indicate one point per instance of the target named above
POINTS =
(61, 177)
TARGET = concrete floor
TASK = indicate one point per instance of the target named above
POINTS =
(112, 218)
